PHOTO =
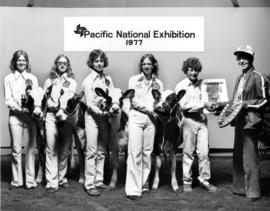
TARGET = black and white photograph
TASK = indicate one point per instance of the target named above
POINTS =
(135, 105)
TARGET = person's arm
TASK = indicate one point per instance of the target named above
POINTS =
(73, 86)
(47, 84)
(111, 82)
(161, 87)
(90, 99)
(187, 103)
(10, 101)
(259, 91)
(136, 103)
(35, 81)
(190, 106)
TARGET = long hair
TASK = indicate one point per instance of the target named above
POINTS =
(94, 54)
(153, 61)
(15, 57)
(54, 73)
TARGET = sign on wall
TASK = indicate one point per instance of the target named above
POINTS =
(134, 33)
(214, 90)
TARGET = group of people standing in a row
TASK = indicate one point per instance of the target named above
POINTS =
(248, 89)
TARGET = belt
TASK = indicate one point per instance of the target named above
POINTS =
(52, 109)
(194, 115)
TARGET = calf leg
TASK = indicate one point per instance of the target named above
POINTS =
(79, 137)
(115, 158)
(114, 177)
(157, 170)
(174, 183)
(72, 161)
(41, 144)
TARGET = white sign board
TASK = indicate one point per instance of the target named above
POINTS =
(134, 33)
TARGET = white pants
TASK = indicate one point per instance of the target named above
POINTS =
(22, 126)
(195, 137)
(57, 149)
(140, 147)
(97, 136)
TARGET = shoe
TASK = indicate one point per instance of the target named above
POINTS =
(65, 185)
(252, 199)
(30, 187)
(145, 190)
(134, 197)
(187, 188)
(207, 186)
(51, 190)
(93, 192)
(239, 193)
(103, 186)
(14, 187)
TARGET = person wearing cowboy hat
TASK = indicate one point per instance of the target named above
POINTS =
(249, 90)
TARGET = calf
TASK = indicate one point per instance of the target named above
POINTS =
(35, 102)
(118, 105)
(168, 135)
(73, 114)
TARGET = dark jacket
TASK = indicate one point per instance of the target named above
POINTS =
(254, 98)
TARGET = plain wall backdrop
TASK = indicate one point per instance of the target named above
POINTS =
(39, 31)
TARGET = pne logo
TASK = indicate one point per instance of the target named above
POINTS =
(81, 30)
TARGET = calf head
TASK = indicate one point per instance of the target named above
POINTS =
(73, 108)
(27, 101)
(166, 104)
(72, 101)
(34, 100)
(114, 99)
(118, 105)
(39, 98)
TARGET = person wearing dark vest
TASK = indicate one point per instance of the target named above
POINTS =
(249, 90)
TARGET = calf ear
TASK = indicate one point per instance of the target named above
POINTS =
(156, 94)
(100, 92)
(181, 94)
(80, 95)
(28, 89)
(62, 92)
(128, 94)
(43, 102)
(49, 90)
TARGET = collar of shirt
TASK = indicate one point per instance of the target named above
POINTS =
(95, 75)
(244, 75)
(17, 74)
(189, 83)
(142, 77)
(64, 76)
(59, 78)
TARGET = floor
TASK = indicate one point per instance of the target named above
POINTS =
(75, 198)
